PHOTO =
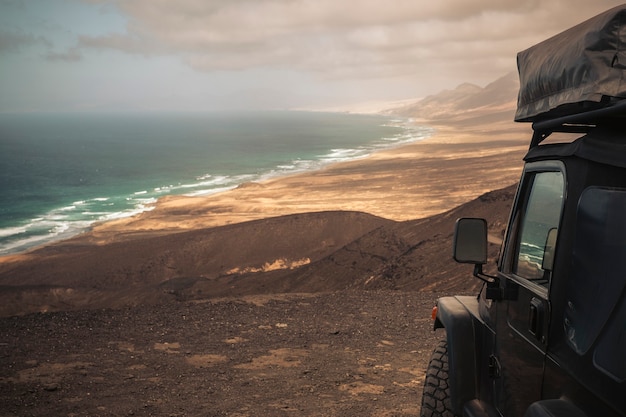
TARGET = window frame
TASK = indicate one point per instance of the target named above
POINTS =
(518, 215)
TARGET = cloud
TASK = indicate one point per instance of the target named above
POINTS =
(131, 44)
(264, 53)
(71, 55)
(16, 41)
(361, 38)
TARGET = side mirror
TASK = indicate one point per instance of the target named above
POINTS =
(470, 241)
(548, 254)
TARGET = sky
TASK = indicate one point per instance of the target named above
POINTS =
(203, 55)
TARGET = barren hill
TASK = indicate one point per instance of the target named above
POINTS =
(467, 104)
(318, 314)
(309, 252)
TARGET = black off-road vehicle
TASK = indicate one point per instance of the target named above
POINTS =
(546, 336)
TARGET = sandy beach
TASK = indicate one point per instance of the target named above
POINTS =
(385, 203)
(460, 161)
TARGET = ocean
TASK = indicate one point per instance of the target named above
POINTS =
(60, 173)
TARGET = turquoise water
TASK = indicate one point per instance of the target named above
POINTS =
(59, 173)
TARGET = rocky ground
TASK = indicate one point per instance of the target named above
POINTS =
(185, 325)
(347, 353)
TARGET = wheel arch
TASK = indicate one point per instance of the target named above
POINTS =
(454, 315)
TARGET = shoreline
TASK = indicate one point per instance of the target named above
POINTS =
(66, 221)
(408, 182)
(457, 163)
(358, 224)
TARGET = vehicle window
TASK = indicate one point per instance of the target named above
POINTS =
(598, 279)
(539, 223)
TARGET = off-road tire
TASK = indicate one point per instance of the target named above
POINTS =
(436, 396)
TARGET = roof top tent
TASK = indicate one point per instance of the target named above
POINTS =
(575, 80)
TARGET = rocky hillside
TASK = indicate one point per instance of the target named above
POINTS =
(310, 252)
(465, 102)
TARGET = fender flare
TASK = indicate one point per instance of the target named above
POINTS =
(453, 314)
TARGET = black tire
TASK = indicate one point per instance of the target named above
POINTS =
(436, 396)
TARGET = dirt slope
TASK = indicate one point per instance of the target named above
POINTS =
(311, 252)
(180, 325)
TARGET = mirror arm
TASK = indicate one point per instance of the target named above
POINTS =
(478, 273)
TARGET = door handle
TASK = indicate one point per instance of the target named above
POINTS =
(535, 318)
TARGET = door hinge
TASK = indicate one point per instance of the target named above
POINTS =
(495, 292)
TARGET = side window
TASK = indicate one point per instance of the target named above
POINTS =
(596, 285)
(539, 223)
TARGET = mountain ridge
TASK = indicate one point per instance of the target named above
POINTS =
(465, 101)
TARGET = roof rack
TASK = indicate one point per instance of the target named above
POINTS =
(577, 123)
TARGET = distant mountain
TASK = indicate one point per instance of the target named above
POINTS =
(465, 101)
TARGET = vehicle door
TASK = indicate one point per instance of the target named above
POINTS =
(524, 273)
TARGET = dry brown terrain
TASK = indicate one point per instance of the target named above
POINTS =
(348, 353)
(308, 295)
(347, 334)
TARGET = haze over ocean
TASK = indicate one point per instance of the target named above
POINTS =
(59, 173)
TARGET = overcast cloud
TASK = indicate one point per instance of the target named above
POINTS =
(203, 55)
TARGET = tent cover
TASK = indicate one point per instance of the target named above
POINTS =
(575, 71)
